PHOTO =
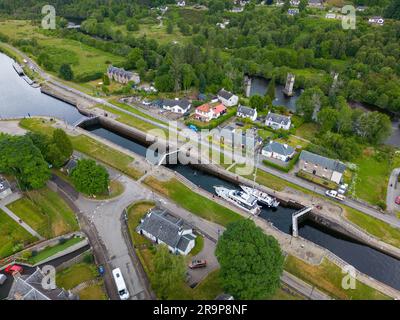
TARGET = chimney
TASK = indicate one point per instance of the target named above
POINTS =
(285, 145)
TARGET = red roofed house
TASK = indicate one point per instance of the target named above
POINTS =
(207, 112)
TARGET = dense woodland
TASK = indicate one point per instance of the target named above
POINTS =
(261, 41)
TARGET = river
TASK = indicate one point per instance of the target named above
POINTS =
(17, 98)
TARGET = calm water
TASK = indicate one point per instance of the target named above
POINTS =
(17, 98)
(260, 85)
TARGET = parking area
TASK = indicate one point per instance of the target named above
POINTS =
(208, 254)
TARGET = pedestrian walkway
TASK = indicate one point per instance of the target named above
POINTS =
(3, 206)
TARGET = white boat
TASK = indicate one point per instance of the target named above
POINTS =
(261, 197)
(239, 198)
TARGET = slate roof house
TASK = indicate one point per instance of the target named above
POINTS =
(29, 287)
(227, 98)
(176, 105)
(5, 188)
(71, 165)
(163, 228)
(207, 111)
(278, 151)
(321, 166)
(247, 112)
(278, 121)
(122, 76)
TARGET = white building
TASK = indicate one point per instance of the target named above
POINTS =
(177, 106)
(278, 121)
(5, 188)
(227, 98)
(278, 151)
(164, 228)
(208, 111)
(181, 3)
(246, 112)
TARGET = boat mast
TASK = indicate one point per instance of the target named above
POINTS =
(255, 171)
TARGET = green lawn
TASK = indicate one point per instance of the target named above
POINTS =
(70, 277)
(135, 213)
(51, 251)
(376, 227)
(192, 201)
(136, 122)
(83, 59)
(372, 177)
(328, 278)
(13, 237)
(93, 292)
(46, 212)
(90, 147)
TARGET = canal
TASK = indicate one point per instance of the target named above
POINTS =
(17, 98)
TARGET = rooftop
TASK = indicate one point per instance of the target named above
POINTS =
(334, 165)
(246, 110)
(279, 148)
(278, 118)
(225, 94)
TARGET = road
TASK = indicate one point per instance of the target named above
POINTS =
(392, 192)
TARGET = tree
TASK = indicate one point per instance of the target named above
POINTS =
(90, 178)
(169, 272)
(327, 119)
(21, 158)
(170, 27)
(62, 141)
(66, 72)
(309, 101)
(271, 89)
(393, 10)
(251, 261)
(303, 5)
(257, 102)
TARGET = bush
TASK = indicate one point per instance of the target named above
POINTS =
(88, 258)
(287, 168)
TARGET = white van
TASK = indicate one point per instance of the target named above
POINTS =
(119, 281)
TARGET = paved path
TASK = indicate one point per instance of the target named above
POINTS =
(3, 206)
(392, 192)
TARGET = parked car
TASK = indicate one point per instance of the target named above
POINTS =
(13, 269)
(334, 194)
(397, 200)
(195, 264)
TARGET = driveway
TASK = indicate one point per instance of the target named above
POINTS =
(392, 192)
(208, 254)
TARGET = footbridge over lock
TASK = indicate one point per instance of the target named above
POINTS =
(295, 218)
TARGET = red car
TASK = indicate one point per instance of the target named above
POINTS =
(198, 264)
(397, 200)
(13, 269)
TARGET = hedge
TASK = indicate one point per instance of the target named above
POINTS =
(287, 168)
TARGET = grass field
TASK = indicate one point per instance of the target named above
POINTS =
(328, 278)
(83, 59)
(192, 201)
(90, 147)
(51, 251)
(70, 277)
(79, 273)
(372, 176)
(46, 212)
(374, 226)
(13, 237)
